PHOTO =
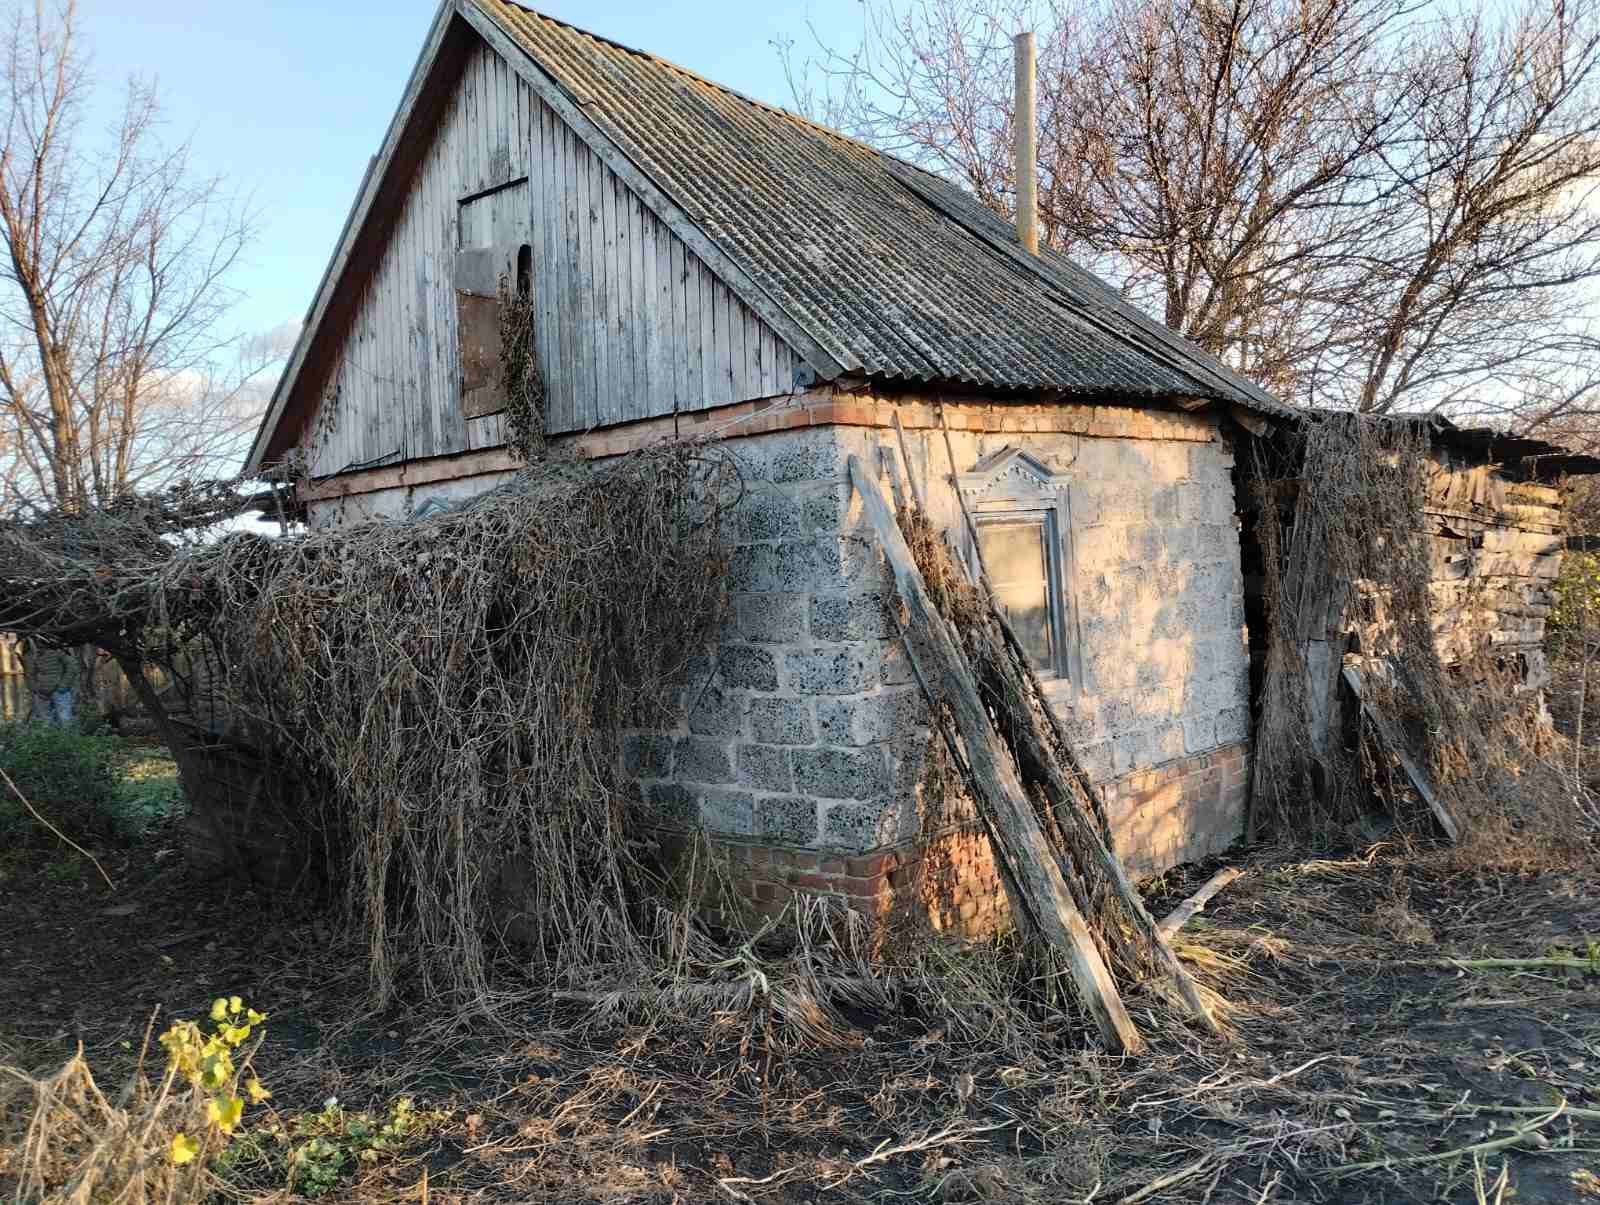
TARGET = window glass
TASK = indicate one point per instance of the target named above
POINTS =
(1017, 556)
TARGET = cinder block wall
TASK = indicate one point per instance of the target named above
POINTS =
(801, 740)
(803, 726)
(803, 729)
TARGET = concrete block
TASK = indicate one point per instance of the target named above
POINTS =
(1096, 760)
(728, 812)
(1233, 725)
(1199, 733)
(717, 712)
(702, 759)
(1130, 751)
(856, 562)
(895, 664)
(672, 804)
(782, 721)
(647, 755)
(1164, 504)
(1165, 744)
(774, 618)
(765, 767)
(753, 567)
(839, 671)
(747, 666)
(825, 509)
(840, 773)
(858, 827)
(769, 516)
(889, 715)
(852, 617)
(808, 456)
(788, 819)
(1100, 548)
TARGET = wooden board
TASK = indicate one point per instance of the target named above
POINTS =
(1014, 830)
(1394, 739)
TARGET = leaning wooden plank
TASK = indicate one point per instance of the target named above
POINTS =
(1013, 827)
(1391, 737)
(1184, 912)
(1037, 734)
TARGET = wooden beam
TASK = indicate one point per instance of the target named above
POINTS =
(1251, 422)
(1184, 912)
(1392, 737)
(1008, 814)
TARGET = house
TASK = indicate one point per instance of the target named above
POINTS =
(701, 263)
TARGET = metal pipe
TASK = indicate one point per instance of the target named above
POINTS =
(1024, 122)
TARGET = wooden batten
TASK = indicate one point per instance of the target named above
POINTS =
(1040, 893)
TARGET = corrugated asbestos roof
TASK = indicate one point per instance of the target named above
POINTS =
(894, 272)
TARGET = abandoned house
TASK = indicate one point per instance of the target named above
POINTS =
(703, 264)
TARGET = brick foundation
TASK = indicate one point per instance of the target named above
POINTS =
(1182, 811)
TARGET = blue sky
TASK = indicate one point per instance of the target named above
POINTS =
(287, 99)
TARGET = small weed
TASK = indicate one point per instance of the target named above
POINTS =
(312, 1152)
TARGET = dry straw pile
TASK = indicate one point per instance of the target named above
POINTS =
(1347, 550)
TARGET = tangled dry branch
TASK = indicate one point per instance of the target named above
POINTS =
(1348, 568)
(450, 689)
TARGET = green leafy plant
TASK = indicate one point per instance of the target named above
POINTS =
(1577, 594)
(333, 1141)
(86, 783)
(67, 775)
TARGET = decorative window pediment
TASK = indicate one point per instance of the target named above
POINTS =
(1012, 475)
(1020, 507)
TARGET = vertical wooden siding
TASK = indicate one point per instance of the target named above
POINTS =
(631, 323)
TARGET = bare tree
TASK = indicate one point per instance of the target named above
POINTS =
(1359, 202)
(113, 374)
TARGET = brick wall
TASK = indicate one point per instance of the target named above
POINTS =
(1185, 810)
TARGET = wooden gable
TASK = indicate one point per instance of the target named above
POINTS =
(630, 322)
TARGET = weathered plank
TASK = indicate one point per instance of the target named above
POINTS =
(632, 323)
(1013, 828)
(1392, 737)
(1196, 903)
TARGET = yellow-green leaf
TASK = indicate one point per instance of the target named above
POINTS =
(225, 1112)
(257, 1091)
(219, 1009)
(184, 1148)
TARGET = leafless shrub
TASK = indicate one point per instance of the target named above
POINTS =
(1354, 556)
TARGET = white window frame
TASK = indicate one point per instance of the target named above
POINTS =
(1012, 485)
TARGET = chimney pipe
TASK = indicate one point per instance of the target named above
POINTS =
(1024, 121)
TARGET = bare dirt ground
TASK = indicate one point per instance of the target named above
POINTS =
(1375, 1056)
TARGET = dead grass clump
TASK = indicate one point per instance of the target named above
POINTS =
(456, 686)
(80, 1146)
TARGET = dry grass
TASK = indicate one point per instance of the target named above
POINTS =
(1353, 553)
(455, 689)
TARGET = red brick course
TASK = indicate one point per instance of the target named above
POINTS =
(1178, 812)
